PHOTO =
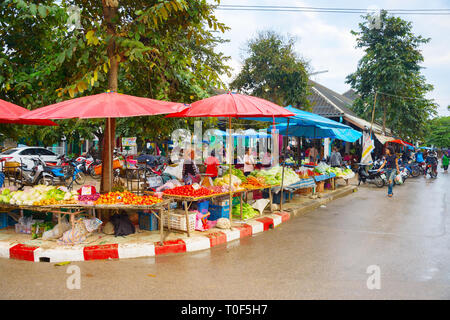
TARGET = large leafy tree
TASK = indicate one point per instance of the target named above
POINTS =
(273, 71)
(162, 49)
(438, 132)
(390, 71)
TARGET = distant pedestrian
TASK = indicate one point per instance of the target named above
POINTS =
(445, 161)
(391, 164)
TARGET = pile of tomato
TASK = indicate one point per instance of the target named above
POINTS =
(189, 191)
(126, 198)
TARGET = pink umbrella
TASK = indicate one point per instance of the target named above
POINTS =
(105, 105)
(11, 113)
(234, 105)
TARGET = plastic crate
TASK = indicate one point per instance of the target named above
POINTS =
(178, 221)
(276, 197)
(148, 221)
(202, 206)
(3, 220)
(217, 212)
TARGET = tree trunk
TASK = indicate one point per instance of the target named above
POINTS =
(110, 9)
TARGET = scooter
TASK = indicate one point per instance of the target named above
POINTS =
(431, 169)
(65, 174)
(33, 176)
(371, 175)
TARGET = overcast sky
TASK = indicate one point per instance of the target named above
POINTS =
(324, 39)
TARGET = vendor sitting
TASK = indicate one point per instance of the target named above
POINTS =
(190, 174)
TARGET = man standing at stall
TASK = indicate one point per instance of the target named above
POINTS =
(335, 158)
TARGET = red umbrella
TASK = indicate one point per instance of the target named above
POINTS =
(402, 142)
(234, 105)
(105, 105)
(11, 113)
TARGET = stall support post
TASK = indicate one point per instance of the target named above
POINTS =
(240, 197)
(282, 170)
(271, 199)
(230, 140)
(186, 212)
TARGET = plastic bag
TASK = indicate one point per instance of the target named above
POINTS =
(398, 179)
(177, 171)
(260, 205)
(223, 223)
(57, 231)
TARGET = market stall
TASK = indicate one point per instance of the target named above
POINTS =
(61, 202)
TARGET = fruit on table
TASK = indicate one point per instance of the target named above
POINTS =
(189, 191)
(127, 198)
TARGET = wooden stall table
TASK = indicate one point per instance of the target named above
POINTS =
(79, 209)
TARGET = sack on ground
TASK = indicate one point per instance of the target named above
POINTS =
(223, 223)
(122, 225)
(108, 228)
(80, 231)
(57, 231)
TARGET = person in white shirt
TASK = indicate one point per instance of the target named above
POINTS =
(249, 162)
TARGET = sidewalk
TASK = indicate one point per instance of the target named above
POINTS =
(146, 243)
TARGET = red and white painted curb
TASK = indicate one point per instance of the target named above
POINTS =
(123, 251)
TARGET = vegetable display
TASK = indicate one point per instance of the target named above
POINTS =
(273, 175)
(39, 195)
(247, 211)
(193, 191)
(238, 173)
(254, 182)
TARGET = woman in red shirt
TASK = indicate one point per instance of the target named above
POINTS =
(211, 165)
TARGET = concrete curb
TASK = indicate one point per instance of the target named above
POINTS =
(124, 251)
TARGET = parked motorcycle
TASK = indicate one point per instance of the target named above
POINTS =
(431, 169)
(65, 174)
(33, 176)
(371, 175)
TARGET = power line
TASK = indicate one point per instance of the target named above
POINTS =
(397, 96)
(443, 11)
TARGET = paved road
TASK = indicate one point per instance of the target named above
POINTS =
(323, 254)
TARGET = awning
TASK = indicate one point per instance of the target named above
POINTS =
(363, 124)
(382, 138)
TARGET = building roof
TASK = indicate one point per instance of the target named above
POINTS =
(351, 94)
(329, 103)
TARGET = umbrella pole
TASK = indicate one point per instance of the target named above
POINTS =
(229, 164)
(110, 153)
(282, 170)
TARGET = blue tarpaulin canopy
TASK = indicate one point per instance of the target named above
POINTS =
(319, 132)
(304, 118)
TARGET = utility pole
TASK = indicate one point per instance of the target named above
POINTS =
(373, 112)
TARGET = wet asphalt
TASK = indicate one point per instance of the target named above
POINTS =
(362, 246)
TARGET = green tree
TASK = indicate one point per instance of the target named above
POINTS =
(158, 49)
(390, 69)
(273, 71)
(438, 132)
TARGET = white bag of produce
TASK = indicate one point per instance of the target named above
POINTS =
(57, 231)
(223, 223)
(260, 205)
(177, 171)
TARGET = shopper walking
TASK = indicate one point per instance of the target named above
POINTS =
(445, 161)
(391, 164)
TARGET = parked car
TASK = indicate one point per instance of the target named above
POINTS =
(25, 154)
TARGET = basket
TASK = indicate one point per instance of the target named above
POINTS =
(320, 186)
(178, 221)
(304, 191)
(98, 169)
(117, 164)
(11, 167)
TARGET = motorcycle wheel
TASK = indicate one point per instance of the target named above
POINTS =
(45, 181)
(379, 182)
(80, 178)
(415, 172)
(93, 174)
